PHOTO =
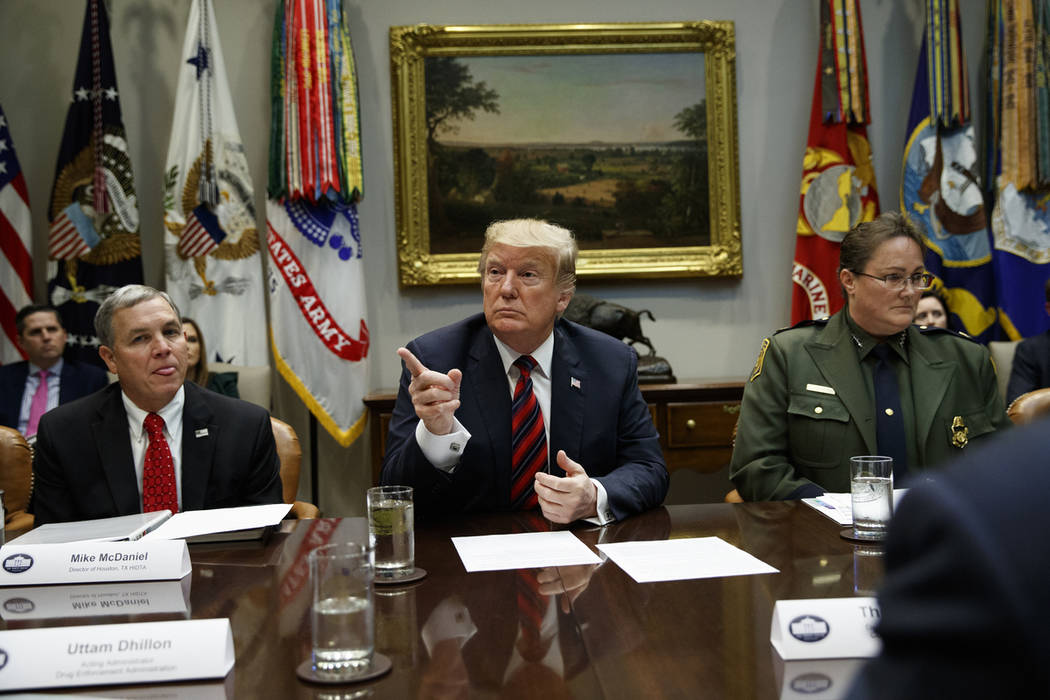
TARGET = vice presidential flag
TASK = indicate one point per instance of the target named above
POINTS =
(93, 241)
(940, 185)
(213, 264)
(838, 181)
(317, 290)
(16, 246)
(1019, 121)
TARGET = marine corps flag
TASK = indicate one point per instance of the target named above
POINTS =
(16, 246)
(940, 184)
(838, 182)
(213, 264)
(93, 242)
(317, 290)
(1019, 160)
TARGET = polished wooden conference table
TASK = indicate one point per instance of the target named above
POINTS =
(615, 638)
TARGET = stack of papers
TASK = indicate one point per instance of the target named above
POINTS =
(839, 506)
(244, 522)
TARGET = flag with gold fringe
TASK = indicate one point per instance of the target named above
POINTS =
(16, 246)
(317, 293)
(1019, 160)
(838, 181)
(941, 187)
(213, 263)
(93, 241)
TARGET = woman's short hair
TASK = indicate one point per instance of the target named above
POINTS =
(535, 233)
(861, 242)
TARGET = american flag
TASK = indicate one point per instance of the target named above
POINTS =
(16, 257)
(72, 234)
(202, 234)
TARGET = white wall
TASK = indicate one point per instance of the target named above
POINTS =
(705, 328)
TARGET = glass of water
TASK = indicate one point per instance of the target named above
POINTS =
(871, 491)
(391, 531)
(343, 613)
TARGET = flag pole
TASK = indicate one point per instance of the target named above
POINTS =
(314, 492)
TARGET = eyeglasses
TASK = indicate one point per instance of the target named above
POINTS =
(920, 281)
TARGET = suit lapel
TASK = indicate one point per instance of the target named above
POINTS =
(197, 451)
(834, 354)
(930, 379)
(114, 452)
(67, 382)
(492, 392)
(568, 383)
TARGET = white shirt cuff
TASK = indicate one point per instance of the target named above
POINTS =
(605, 515)
(443, 451)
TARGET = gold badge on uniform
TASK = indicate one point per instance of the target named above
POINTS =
(960, 433)
(758, 363)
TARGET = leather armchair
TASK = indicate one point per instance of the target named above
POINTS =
(290, 455)
(1027, 407)
(16, 478)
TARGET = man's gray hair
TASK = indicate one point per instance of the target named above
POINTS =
(536, 233)
(124, 298)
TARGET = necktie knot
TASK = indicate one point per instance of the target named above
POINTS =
(43, 375)
(882, 352)
(525, 364)
(153, 425)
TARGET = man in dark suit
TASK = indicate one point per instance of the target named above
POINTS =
(965, 601)
(43, 339)
(1031, 367)
(596, 450)
(93, 455)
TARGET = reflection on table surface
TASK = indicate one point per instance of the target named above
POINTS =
(584, 631)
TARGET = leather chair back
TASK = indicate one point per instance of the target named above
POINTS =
(290, 455)
(16, 478)
(1027, 407)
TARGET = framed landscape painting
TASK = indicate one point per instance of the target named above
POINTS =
(623, 133)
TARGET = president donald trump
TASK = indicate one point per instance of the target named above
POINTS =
(151, 440)
(516, 407)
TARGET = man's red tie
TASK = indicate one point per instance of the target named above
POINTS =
(528, 438)
(158, 472)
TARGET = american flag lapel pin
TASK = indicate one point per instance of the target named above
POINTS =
(200, 432)
(574, 382)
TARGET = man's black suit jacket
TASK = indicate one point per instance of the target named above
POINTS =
(77, 380)
(1031, 366)
(84, 469)
(966, 602)
(598, 417)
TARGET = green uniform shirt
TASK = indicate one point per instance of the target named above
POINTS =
(809, 405)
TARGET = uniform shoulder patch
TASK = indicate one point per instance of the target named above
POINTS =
(758, 362)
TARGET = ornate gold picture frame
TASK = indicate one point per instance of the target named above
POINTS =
(623, 133)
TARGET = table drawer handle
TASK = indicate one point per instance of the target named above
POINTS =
(690, 424)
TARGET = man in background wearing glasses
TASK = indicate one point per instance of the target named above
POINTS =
(865, 381)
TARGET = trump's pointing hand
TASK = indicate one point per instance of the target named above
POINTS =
(435, 396)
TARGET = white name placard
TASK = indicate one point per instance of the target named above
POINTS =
(825, 628)
(143, 652)
(93, 562)
(92, 600)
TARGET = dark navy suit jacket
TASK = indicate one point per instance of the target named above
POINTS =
(84, 469)
(77, 379)
(966, 602)
(598, 417)
(1031, 366)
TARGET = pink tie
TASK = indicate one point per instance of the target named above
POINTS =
(158, 470)
(39, 405)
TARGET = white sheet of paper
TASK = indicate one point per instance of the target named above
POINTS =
(203, 522)
(839, 506)
(674, 560)
(524, 550)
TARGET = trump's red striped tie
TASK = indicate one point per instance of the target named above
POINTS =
(528, 437)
